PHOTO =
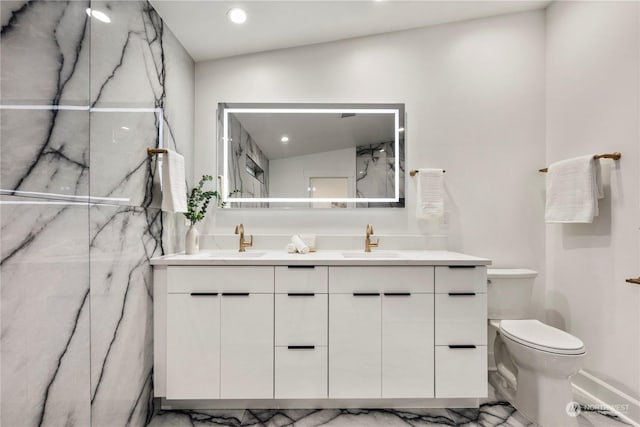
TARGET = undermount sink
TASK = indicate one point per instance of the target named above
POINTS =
(372, 254)
(235, 254)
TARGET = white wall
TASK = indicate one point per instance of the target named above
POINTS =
(288, 177)
(474, 96)
(593, 84)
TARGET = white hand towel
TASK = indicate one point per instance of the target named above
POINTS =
(430, 200)
(300, 245)
(174, 188)
(573, 189)
(291, 248)
(309, 240)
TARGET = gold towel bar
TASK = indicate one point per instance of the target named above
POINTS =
(634, 281)
(614, 156)
(152, 151)
(414, 172)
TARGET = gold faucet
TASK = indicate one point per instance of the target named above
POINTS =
(243, 244)
(368, 244)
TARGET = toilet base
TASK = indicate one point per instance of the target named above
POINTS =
(546, 400)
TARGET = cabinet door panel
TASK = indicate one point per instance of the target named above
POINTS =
(193, 347)
(301, 278)
(407, 346)
(345, 280)
(461, 372)
(461, 279)
(247, 278)
(461, 319)
(301, 373)
(246, 347)
(354, 346)
(301, 320)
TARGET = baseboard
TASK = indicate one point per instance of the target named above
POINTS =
(593, 392)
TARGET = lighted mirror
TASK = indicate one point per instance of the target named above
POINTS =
(311, 155)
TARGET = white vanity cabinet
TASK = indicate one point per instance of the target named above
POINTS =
(301, 310)
(381, 332)
(461, 331)
(237, 334)
(219, 332)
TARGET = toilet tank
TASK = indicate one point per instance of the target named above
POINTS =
(509, 292)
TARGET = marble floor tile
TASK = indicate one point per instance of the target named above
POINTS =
(489, 414)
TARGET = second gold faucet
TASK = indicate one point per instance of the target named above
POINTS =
(243, 244)
(368, 244)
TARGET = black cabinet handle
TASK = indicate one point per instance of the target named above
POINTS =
(461, 266)
(301, 266)
(235, 294)
(301, 294)
(204, 294)
(301, 347)
(461, 294)
(366, 294)
(462, 346)
(397, 294)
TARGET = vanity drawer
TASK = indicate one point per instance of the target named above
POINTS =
(301, 278)
(219, 279)
(461, 371)
(461, 319)
(301, 319)
(301, 373)
(347, 280)
(461, 279)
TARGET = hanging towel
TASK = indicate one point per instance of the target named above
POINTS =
(174, 189)
(573, 189)
(430, 200)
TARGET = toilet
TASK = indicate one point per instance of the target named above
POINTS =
(534, 361)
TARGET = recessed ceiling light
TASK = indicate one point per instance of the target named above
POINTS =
(382, 150)
(401, 130)
(100, 16)
(285, 139)
(237, 15)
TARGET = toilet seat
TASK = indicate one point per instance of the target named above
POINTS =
(535, 334)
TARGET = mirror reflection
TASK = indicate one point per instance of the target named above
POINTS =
(312, 155)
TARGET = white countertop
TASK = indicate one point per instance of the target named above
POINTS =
(321, 257)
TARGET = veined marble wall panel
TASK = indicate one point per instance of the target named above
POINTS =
(45, 52)
(122, 240)
(137, 67)
(127, 64)
(121, 170)
(44, 276)
(44, 151)
(57, 319)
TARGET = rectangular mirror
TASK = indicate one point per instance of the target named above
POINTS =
(311, 155)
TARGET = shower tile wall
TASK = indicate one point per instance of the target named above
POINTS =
(76, 291)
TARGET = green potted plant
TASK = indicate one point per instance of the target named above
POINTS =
(197, 204)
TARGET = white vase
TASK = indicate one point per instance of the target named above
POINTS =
(192, 241)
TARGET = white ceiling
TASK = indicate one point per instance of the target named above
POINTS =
(204, 30)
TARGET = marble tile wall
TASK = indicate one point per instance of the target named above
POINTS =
(81, 101)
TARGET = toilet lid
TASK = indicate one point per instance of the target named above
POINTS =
(536, 334)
